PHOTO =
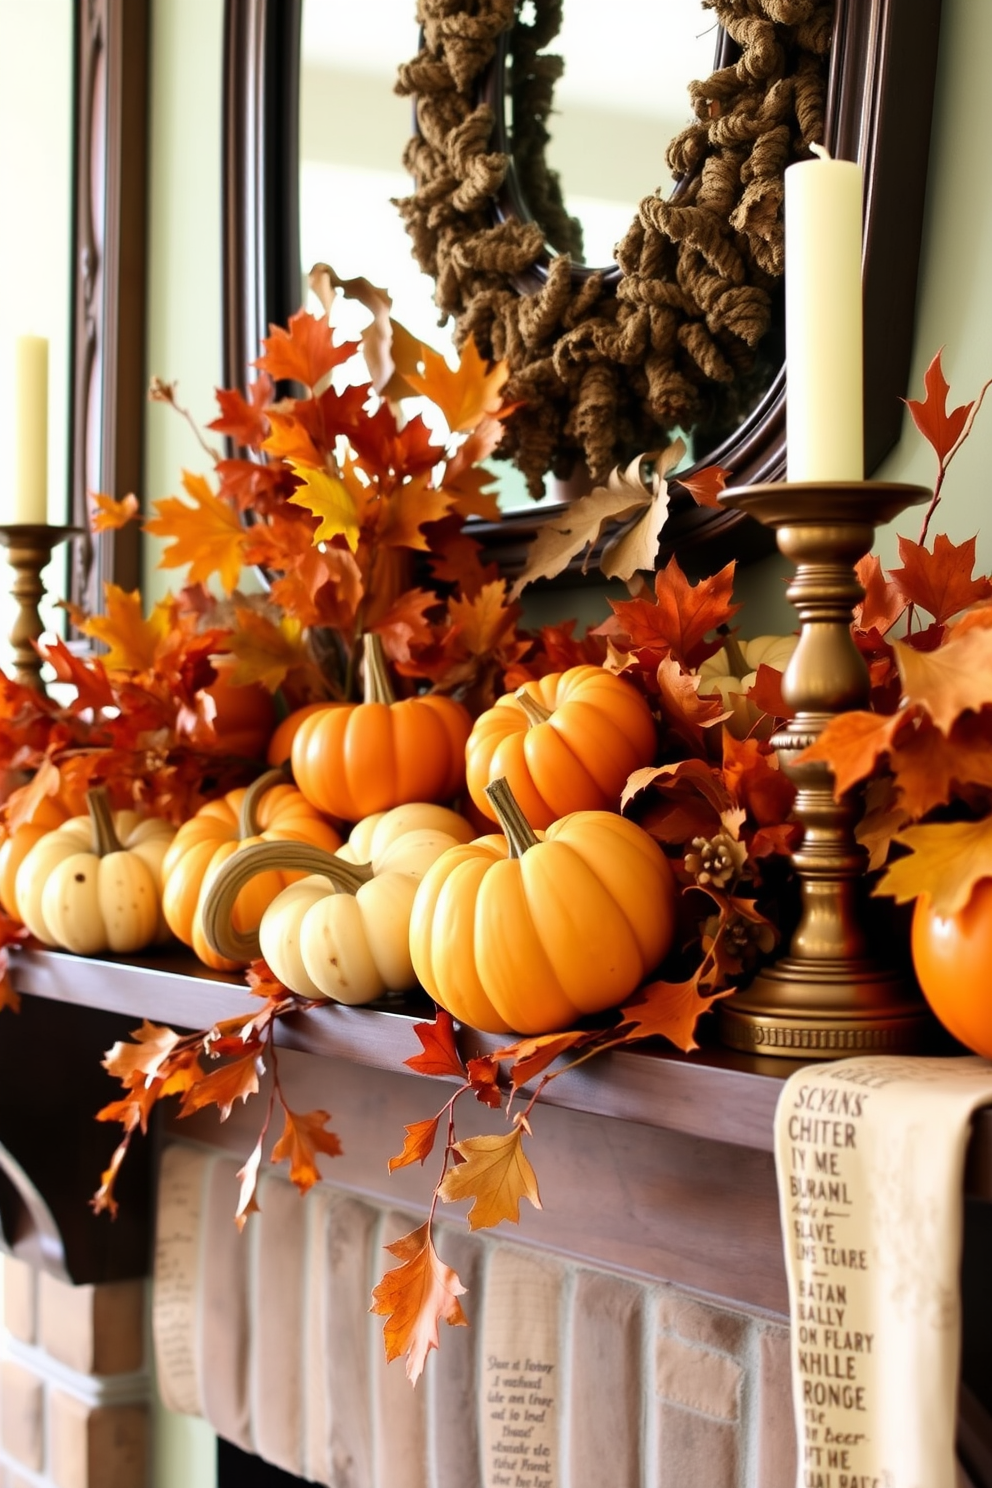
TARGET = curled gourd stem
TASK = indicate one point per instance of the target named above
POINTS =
(517, 830)
(248, 825)
(534, 711)
(216, 913)
(378, 688)
(105, 839)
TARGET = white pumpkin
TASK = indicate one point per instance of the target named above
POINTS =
(731, 676)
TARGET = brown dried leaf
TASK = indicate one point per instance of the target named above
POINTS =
(496, 1174)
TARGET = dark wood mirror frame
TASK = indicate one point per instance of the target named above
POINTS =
(879, 108)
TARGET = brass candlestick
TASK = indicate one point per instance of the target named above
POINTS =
(828, 996)
(29, 548)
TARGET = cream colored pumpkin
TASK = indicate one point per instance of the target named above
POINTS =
(342, 932)
(95, 884)
(732, 675)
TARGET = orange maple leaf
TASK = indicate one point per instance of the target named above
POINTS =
(132, 642)
(266, 652)
(305, 352)
(406, 625)
(439, 1054)
(207, 536)
(940, 582)
(222, 1087)
(109, 515)
(682, 615)
(705, 486)
(752, 775)
(245, 420)
(418, 1144)
(928, 767)
(496, 1174)
(302, 1138)
(414, 1297)
(464, 394)
(289, 439)
(884, 601)
(851, 745)
(532, 1056)
(485, 619)
(939, 428)
(671, 1009)
(950, 681)
(403, 512)
(88, 677)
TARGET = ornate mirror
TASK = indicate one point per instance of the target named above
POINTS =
(878, 73)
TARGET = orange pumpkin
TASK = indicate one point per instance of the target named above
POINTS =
(47, 815)
(564, 743)
(951, 955)
(515, 932)
(281, 744)
(353, 759)
(269, 810)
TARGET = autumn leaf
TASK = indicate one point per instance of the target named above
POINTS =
(939, 428)
(684, 710)
(496, 1174)
(405, 625)
(23, 802)
(132, 642)
(851, 744)
(671, 1009)
(266, 652)
(207, 536)
(439, 1055)
(464, 394)
(414, 1297)
(485, 619)
(530, 1057)
(103, 1200)
(222, 1087)
(884, 601)
(940, 582)
(681, 616)
(141, 1061)
(951, 680)
(289, 439)
(752, 775)
(302, 1138)
(945, 862)
(244, 420)
(407, 508)
(108, 515)
(329, 499)
(418, 1145)
(705, 486)
(248, 1187)
(929, 767)
(483, 1076)
(305, 352)
(88, 677)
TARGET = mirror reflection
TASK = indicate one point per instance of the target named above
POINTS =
(614, 106)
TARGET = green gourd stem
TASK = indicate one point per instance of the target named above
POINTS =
(737, 665)
(248, 824)
(535, 712)
(378, 688)
(263, 857)
(105, 839)
(517, 830)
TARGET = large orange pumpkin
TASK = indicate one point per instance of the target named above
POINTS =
(269, 810)
(514, 932)
(564, 743)
(952, 955)
(353, 759)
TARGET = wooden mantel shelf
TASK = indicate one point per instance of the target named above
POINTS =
(681, 1167)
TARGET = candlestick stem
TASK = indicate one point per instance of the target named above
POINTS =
(829, 995)
(29, 548)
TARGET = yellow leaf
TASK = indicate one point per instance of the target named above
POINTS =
(464, 394)
(132, 642)
(208, 535)
(496, 1174)
(945, 862)
(483, 620)
(329, 499)
(266, 652)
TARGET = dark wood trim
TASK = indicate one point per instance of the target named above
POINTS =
(261, 228)
(109, 283)
(879, 110)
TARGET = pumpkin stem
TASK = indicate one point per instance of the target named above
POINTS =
(378, 688)
(534, 711)
(217, 910)
(517, 830)
(105, 839)
(248, 823)
(736, 661)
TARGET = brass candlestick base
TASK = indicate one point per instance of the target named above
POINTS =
(29, 548)
(828, 996)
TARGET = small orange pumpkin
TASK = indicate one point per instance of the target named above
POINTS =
(951, 956)
(353, 759)
(517, 933)
(566, 742)
(270, 810)
(48, 814)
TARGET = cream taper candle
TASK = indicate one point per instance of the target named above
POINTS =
(823, 332)
(31, 430)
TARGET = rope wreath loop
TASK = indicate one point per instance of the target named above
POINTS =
(601, 364)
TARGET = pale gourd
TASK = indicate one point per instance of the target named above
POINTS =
(733, 669)
(343, 931)
(95, 884)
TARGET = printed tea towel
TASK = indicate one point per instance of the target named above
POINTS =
(869, 1154)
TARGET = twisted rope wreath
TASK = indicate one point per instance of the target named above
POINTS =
(600, 368)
